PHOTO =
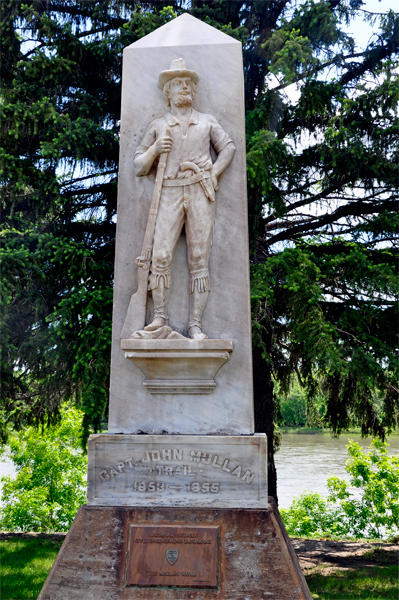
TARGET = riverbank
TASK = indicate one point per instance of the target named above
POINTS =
(320, 431)
(305, 461)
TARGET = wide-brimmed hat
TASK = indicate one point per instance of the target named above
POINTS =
(177, 69)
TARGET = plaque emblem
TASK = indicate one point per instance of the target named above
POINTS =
(172, 555)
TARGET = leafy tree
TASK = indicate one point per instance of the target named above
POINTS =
(322, 189)
(293, 408)
(374, 515)
(50, 483)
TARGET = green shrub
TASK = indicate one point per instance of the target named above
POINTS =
(310, 514)
(374, 515)
(376, 474)
(50, 484)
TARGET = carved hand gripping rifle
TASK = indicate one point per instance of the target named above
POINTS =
(135, 316)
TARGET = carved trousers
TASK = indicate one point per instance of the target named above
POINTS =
(184, 205)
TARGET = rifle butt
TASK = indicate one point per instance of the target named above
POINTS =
(135, 316)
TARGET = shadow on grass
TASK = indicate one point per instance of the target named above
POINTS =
(364, 583)
(25, 565)
(383, 557)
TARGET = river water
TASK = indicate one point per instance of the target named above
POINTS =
(303, 462)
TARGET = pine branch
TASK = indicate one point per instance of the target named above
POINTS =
(336, 60)
(354, 209)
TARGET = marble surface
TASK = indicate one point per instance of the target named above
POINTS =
(153, 470)
(178, 366)
(217, 58)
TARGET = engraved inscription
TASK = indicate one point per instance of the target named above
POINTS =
(191, 551)
(177, 470)
(205, 488)
(215, 461)
(156, 455)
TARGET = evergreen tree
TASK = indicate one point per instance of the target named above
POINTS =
(322, 175)
(324, 191)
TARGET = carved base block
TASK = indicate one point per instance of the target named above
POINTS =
(178, 366)
(114, 553)
(177, 470)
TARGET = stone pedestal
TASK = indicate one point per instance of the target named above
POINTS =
(245, 554)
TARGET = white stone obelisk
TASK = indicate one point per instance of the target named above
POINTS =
(224, 403)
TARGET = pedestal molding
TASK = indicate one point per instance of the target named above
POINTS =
(178, 366)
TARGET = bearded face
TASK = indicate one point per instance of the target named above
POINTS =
(180, 91)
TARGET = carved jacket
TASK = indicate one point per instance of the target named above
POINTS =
(202, 131)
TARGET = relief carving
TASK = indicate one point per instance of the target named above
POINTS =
(184, 194)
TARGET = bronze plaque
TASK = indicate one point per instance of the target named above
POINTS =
(173, 556)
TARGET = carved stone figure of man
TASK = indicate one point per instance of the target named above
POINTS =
(188, 191)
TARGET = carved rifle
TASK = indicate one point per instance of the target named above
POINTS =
(135, 316)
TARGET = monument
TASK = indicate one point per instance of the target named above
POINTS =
(177, 503)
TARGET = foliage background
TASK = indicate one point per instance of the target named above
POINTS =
(50, 485)
(322, 183)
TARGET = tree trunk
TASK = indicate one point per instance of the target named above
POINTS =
(264, 413)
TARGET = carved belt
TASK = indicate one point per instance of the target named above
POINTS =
(197, 178)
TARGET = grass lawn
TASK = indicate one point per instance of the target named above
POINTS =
(25, 564)
(363, 583)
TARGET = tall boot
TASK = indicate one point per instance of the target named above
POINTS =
(198, 302)
(160, 297)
